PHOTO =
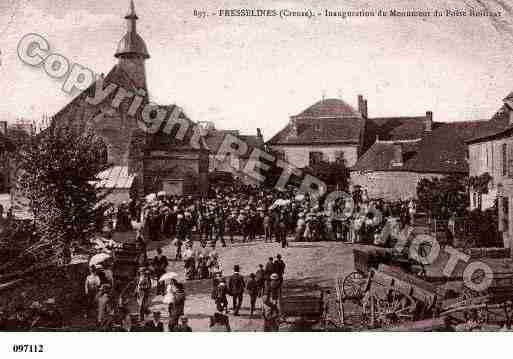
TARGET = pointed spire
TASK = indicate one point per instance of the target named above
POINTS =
(132, 14)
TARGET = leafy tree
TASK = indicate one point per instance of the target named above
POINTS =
(441, 197)
(334, 174)
(57, 171)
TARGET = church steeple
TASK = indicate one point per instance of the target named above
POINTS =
(132, 44)
(132, 51)
(132, 18)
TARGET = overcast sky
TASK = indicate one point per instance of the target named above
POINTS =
(245, 73)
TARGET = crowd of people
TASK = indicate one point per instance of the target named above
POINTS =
(232, 214)
(249, 213)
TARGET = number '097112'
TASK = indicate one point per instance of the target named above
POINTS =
(28, 348)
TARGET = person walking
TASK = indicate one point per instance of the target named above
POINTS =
(105, 308)
(176, 308)
(91, 289)
(279, 268)
(143, 292)
(236, 287)
(260, 279)
(160, 264)
(253, 289)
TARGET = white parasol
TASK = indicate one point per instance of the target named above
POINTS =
(98, 258)
(151, 197)
(168, 276)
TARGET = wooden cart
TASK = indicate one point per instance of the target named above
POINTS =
(354, 285)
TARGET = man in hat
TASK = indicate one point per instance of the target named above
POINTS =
(160, 264)
(260, 279)
(253, 289)
(155, 325)
(236, 287)
(183, 326)
(269, 269)
(279, 267)
(176, 308)
(91, 289)
(143, 292)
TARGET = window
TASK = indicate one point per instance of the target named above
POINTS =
(339, 156)
(504, 154)
(315, 158)
(510, 162)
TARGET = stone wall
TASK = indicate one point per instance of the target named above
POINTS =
(390, 185)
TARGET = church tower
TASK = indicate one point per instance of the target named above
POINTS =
(132, 51)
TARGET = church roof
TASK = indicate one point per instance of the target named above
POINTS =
(132, 43)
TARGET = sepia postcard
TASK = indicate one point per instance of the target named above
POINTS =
(255, 166)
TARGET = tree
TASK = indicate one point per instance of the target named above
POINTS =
(334, 174)
(442, 196)
(57, 173)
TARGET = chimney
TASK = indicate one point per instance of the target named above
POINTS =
(511, 117)
(3, 127)
(428, 122)
(293, 127)
(259, 134)
(360, 104)
(398, 155)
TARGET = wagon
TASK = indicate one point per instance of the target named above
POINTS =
(492, 305)
(391, 297)
(355, 284)
(305, 304)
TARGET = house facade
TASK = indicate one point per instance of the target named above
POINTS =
(233, 163)
(326, 131)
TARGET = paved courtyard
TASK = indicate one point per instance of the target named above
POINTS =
(307, 263)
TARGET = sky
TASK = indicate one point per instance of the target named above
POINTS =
(243, 73)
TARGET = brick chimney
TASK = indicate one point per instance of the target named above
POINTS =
(428, 122)
(398, 155)
(362, 106)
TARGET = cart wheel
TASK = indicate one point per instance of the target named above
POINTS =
(393, 308)
(354, 285)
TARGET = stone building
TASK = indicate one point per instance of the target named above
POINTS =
(233, 163)
(392, 167)
(156, 160)
(327, 130)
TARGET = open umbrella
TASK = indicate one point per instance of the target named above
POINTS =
(168, 276)
(98, 258)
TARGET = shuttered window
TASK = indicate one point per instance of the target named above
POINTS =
(510, 162)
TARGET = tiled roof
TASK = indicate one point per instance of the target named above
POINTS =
(395, 128)
(215, 138)
(321, 131)
(380, 155)
(441, 151)
(331, 107)
(498, 124)
(327, 121)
